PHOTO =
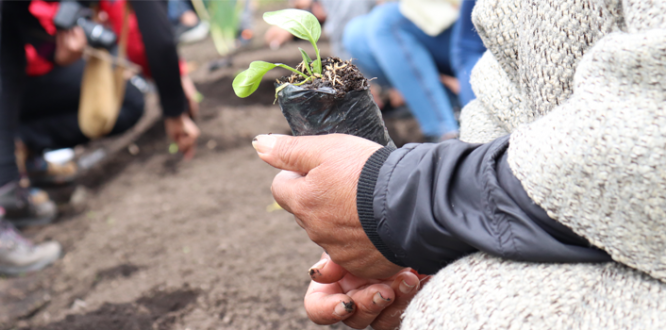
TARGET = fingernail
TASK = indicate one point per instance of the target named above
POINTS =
(315, 271)
(405, 287)
(378, 299)
(264, 143)
(344, 308)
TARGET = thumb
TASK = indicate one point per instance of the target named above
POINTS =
(297, 154)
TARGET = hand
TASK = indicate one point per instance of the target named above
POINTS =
(335, 295)
(184, 132)
(69, 46)
(275, 37)
(191, 95)
(318, 186)
(451, 83)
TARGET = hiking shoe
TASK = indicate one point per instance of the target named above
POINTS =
(18, 255)
(190, 34)
(26, 206)
(53, 169)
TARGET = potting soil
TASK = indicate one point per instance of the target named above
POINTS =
(338, 102)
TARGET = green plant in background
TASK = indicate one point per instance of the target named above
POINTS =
(301, 24)
(224, 18)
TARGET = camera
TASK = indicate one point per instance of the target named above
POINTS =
(71, 14)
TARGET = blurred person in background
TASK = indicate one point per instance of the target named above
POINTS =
(406, 46)
(17, 255)
(50, 121)
(25, 205)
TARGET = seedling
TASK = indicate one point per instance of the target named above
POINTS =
(301, 24)
(336, 97)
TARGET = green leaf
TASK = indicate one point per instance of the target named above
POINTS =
(306, 60)
(248, 81)
(300, 23)
(306, 57)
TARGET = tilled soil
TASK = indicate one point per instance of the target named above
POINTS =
(173, 245)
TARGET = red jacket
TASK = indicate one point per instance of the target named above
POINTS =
(136, 52)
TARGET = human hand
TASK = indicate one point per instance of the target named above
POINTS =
(318, 186)
(275, 37)
(184, 132)
(69, 45)
(335, 295)
(191, 95)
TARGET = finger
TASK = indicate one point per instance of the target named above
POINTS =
(190, 152)
(189, 138)
(186, 145)
(370, 302)
(325, 304)
(299, 154)
(405, 286)
(287, 187)
(326, 271)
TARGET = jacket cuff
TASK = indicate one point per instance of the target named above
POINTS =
(365, 198)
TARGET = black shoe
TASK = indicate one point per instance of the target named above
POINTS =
(26, 206)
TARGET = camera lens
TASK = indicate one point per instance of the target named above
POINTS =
(97, 34)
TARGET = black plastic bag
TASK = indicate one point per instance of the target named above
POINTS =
(319, 112)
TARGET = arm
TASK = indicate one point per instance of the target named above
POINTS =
(596, 163)
(162, 55)
(424, 206)
(163, 63)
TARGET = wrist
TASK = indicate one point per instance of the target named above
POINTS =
(365, 199)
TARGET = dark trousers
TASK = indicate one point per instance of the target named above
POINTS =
(12, 79)
(49, 112)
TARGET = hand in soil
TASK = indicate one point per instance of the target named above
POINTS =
(335, 295)
(184, 132)
(318, 186)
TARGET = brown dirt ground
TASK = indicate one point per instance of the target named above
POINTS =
(172, 245)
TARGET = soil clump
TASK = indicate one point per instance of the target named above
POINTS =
(341, 76)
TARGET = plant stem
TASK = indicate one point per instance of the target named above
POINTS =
(319, 69)
(303, 82)
(292, 70)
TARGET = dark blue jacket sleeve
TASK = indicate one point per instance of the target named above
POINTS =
(426, 205)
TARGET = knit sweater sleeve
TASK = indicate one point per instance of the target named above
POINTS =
(596, 162)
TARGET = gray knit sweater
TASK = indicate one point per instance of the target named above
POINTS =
(581, 86)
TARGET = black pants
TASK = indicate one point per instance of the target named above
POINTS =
(12, 78)
(49, 111)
